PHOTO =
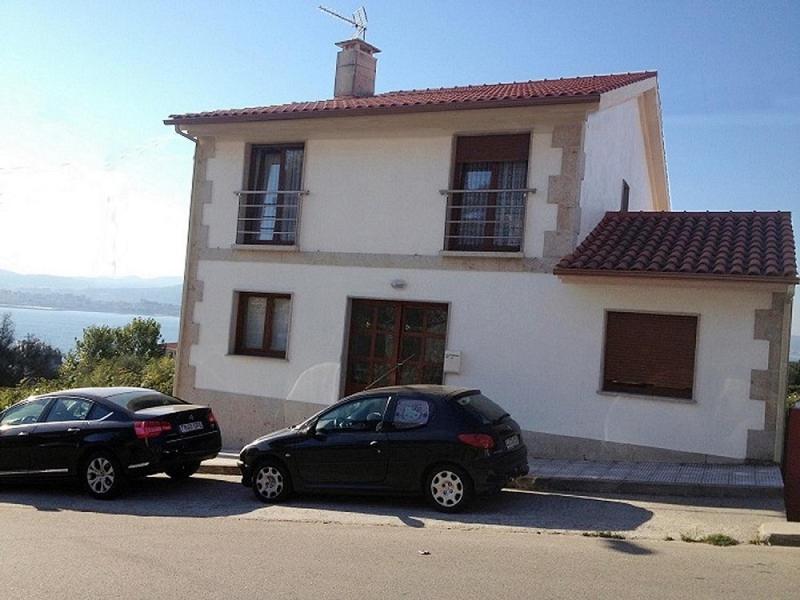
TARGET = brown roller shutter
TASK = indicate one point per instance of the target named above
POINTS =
(493, 148)
(650, 354)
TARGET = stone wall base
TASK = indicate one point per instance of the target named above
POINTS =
(243, 418)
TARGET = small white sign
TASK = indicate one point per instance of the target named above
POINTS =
(452, 361)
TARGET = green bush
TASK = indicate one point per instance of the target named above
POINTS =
(131, 355)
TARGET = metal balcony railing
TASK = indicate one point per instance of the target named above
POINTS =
(268, 216)
(486, 220)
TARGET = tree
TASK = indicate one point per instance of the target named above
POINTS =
(141, 338)
(8, 366)
(36, 359)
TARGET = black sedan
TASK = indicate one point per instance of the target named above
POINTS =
(447, 443)
(104, 436)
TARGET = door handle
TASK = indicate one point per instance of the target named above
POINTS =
(24, 433)
(73, 429)
(374, 443)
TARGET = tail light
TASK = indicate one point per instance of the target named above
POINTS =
(211, 418)
(150, 429)
(477, 440)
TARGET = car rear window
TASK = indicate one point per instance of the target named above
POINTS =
(482, 408)
(134, 401)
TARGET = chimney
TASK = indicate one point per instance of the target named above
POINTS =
(355, 69)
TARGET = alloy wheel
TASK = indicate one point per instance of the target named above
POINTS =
(100, 475)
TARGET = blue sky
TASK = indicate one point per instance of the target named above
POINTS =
(85, 86)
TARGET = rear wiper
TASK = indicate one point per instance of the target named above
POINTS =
(500, 418)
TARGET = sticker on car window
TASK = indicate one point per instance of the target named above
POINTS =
(411, 413)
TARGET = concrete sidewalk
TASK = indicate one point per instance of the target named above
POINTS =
(658, 479)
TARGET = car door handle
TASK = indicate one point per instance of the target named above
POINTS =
(374, 443)
(73, 429)
(24, 433)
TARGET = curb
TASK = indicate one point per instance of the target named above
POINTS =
(780, 534)
(558, 484)
(218, 469)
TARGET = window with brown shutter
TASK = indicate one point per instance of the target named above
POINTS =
(650, 354)
(486, 210)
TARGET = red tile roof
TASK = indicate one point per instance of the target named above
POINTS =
(710, 245)
(546, 91)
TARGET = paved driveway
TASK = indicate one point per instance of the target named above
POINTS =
(205, 497)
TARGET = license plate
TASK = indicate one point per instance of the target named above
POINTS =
(512, 442)
(188, 427)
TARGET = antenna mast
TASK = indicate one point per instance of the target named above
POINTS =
(358, 20)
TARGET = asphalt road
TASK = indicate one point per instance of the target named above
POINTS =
(206, 538)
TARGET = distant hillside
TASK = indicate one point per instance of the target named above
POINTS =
(10, 280)
(128, 295)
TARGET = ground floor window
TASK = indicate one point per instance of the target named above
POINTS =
(262, 324)
(650, 354)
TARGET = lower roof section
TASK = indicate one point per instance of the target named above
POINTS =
(735, 246)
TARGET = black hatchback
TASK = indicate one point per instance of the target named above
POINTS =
(448, 444)
(104, 436)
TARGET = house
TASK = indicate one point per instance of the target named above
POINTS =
(513, 237)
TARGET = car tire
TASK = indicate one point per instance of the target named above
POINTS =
(448, 488)
(271, 482)
(183, 471)
(102, 475)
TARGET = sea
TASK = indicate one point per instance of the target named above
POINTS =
(60, 328)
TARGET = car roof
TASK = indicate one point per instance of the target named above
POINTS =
(96, 393)
(427, 390)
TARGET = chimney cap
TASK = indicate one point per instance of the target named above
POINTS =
(358, 43)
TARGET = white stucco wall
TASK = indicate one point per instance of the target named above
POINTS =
(375, 188)
(615, 150)
(536, 347)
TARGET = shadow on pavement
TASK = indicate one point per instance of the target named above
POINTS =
(156, 496)
(626, 547)
(509, 508)
(204, 497)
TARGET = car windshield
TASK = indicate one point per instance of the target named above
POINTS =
(139, 400)
(481, 407)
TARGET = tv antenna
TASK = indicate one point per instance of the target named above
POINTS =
(358, 20)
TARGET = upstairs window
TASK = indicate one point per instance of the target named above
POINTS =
(268, 208)
(650, 354)
(262, 324)
(486, 210)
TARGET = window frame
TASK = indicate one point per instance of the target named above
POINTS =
(651, 393)
(248, 181)
(43, 414)
(378, 424)
(57, 399)
(451, 242)
(391, 413)
(241, 311)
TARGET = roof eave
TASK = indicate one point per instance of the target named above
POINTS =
(383, 110)
(561, 271)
